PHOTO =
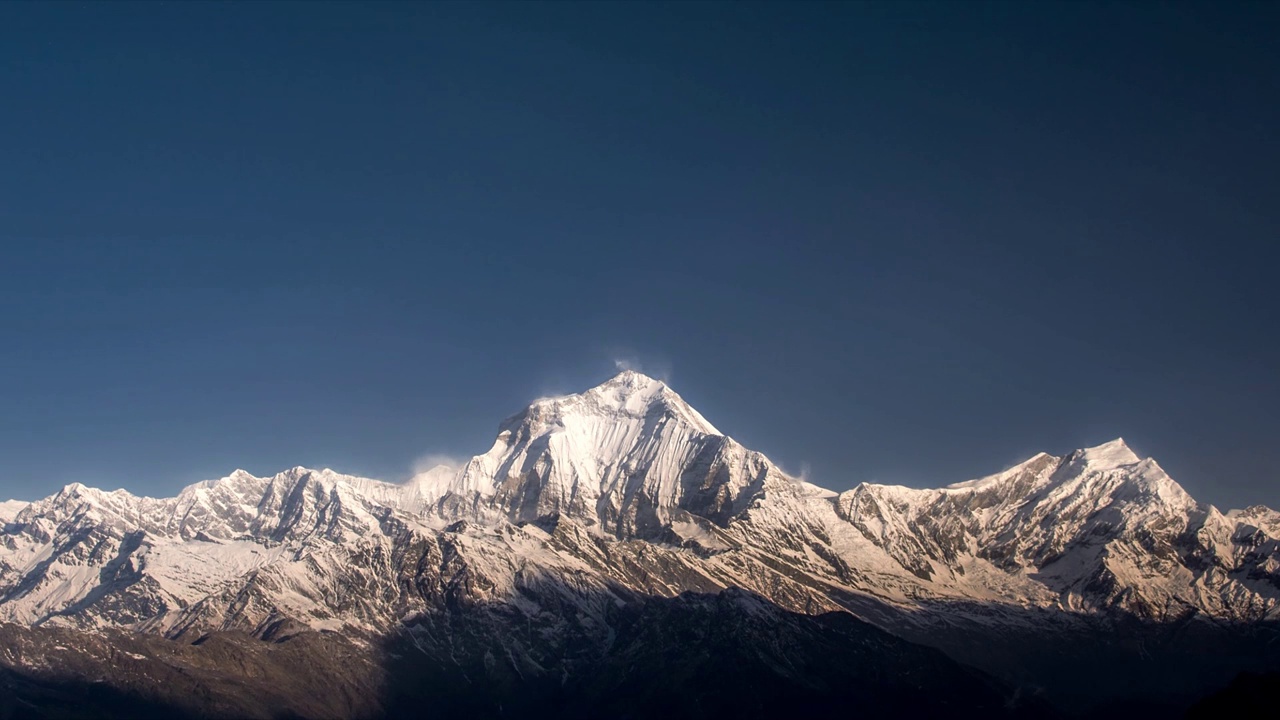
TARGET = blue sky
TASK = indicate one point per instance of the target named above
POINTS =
(898, 242)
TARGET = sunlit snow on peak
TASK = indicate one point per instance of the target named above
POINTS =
(1112, 454)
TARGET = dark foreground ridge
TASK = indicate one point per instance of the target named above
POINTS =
(1250, 693)
(695, 656)
(731, 654)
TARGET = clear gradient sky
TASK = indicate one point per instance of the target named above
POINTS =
(898, 242)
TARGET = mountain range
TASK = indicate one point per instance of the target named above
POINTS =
(614, 552)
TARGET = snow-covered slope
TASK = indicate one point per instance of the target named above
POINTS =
(1099, 528)
(9, 508)
(624, 458)
(626, 489)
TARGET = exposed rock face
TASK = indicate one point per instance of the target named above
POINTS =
(54, 672)
(621, 493)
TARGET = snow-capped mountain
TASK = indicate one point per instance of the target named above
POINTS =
(628, 459)
(585, 482)
(625, 492)
(1097, 529)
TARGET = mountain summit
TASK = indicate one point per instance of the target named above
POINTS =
(624, 458)
(633, 394)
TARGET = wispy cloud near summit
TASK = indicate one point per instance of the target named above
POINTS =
(658, 369)
(433, 460)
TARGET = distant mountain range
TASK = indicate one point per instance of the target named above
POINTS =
(614, 553)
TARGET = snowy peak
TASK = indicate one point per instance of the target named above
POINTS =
(626, 458)
(1042, 473)
(1099, 528)
(1036, 466)
(426, 488)
(629, 395)
(1114, 454)
(1112, 472)
(9, 509)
